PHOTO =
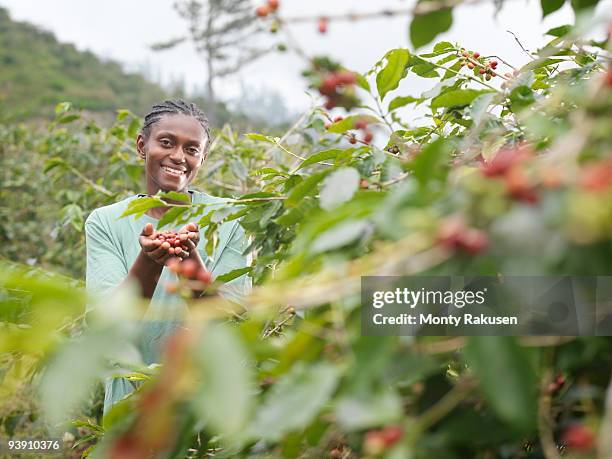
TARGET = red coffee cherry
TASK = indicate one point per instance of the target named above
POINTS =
(476, 55)
(608, 78)
(454, 234)
(174, 265)
(322, 25)
(204, 276)
(189, 268)
(262, 11)
(346, 77)
(273, 4)
(361, 124)
(368, 136)
(391, 435)
(578, 437)
(171, 287)
(377, 441)
(504, 159)
(474, 241)
(328, 85)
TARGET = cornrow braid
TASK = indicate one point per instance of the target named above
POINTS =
(175, 107)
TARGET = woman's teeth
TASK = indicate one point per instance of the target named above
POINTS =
(171, 171)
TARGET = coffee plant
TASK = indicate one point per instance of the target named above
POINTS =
(511, 173)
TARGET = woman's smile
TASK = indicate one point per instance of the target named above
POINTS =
(174, 171)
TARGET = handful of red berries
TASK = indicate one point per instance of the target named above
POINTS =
(175, 243)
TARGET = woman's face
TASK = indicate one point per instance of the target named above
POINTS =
(173, 152)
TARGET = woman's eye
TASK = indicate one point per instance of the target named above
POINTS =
(193, 151)
(166, 142)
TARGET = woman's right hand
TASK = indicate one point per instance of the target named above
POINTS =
(152, 247)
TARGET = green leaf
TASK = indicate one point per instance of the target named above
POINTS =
(139, 206)
(438, 88)
(559, 31)
(550, 6)
(340, 235)
(52, 163)
(339, 187)
(521, 97)
(479, 106)
(578, 5)
(425, 27)
(400, 101)
(268, 171)
(443, 47)
(133, 127)
(348, 123)
(171, 215)
(362, 82)
(69, 118)
(440, 48)
(303, 188)
(225, 396)
(371, 409)
(260, 137)
(73, 370)
(235, 273)
(541, 62)
(63, 107)
(432, 161)
(122, 114)
(456, 98)
(513, 395)
(422, 68)
(176, 196)
(294, 401)
(389, 77)
(320, 156)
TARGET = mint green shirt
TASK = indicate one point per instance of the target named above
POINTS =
(112, 248)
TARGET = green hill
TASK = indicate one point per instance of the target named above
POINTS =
(38, 72)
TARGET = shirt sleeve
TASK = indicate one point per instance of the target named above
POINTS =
(233, 258)
(106, 268)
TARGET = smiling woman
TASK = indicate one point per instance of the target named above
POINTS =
(173, 142)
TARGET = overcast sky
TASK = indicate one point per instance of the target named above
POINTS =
(124, 30)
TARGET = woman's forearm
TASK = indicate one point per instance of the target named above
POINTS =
(146, 272)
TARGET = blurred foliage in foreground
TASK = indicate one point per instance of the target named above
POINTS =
(500, 179)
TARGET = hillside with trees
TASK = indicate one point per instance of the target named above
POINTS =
(38, 72)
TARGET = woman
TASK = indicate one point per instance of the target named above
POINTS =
(173, 142)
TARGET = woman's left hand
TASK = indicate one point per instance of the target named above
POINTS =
(190, 237)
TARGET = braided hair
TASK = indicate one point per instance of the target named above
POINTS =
(175, 107)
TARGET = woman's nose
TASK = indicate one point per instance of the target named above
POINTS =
(177, 154)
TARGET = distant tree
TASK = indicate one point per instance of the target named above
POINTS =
(222, 33)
